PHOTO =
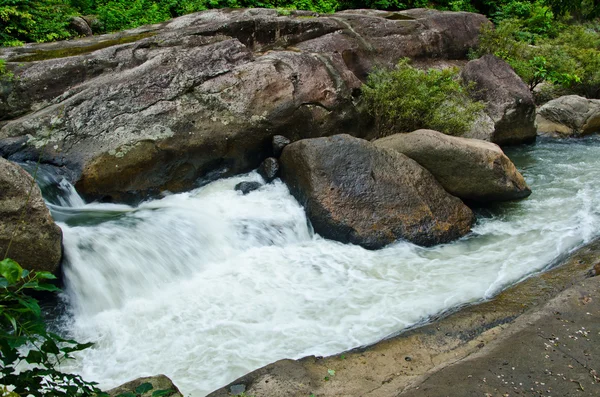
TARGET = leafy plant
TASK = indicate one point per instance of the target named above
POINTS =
(24, 338)
(405, 99)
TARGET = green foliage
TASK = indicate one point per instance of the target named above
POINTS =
(145, 388)
(406, 99)
(25, 20)
(570, 60)
(24, 338)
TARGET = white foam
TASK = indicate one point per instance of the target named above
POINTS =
(208, 285)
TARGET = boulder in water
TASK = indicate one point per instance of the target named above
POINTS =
(510, 104)
(356, 192)
(158, 382)
(471, 169)
(569, 116)
(25, 219)
(247, 187)
(269, 169)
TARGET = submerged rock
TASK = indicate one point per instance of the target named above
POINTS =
(247, 187)
(158, 382)
(24, 218)
(172, 105)
(269, 169)
(355, 192)
(467, 168)
(510, 104)
(569, 116)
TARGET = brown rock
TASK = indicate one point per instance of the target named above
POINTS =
(36, 239)
(509, 102)
(569, 116)
(81, 26)
(170, 106)
(467, 168)
(356, 192)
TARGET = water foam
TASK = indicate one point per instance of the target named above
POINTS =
(208, 285)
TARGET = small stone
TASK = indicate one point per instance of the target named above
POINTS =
(247, 187)
(407, 358)
(269, 169)
(279, 142)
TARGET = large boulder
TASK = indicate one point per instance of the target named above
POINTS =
(156, 383)
(25, 222)
(355, 192)
(471, 169)
(509, 103)
(172, 105)
(569, 116)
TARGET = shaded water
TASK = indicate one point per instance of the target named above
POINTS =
(208, 285)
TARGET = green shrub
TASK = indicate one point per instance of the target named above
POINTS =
(25, 338)
(25, 21)
(405, 99)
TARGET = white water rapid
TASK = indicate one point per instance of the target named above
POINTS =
(208, 285)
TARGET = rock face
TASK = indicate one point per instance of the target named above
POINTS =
(81, 26)
(169, 106)
(510, 104)
(356, 192)
(36, 244)
(569, 116)
(467, 168)
(158, 382)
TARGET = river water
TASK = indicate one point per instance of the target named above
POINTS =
(208, 285)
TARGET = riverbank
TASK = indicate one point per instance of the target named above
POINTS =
(536, 338)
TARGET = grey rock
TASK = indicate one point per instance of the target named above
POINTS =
(509, 103)
(168, 106)
(158, 382)
(36, 239)
(81, 26)
(247, 187)
(355, 192)
(279, 142)
(470, 169)
(569, 116)
(269, 169)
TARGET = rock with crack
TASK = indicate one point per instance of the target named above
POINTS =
(569, 116)
(171, 106)
(25, 222)
(509, 103)
(355, 192)
(470, 169)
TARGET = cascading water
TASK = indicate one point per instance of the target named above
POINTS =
(207, 285)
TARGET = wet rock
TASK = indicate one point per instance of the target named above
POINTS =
(247, 187)
(81, 26)
(467, 168)
(158, 382)
(163, 107)
(36, 239)
(355, 192)
(269, 169)
(569, 116)
(509, 102)
(279, 142)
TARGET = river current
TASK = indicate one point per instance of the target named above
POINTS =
(208, 285)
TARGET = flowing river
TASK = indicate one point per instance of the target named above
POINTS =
(208, 285)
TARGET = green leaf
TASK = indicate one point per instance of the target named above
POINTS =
(10, 270)
(47, 287)
(45, 275)
(34, 357)
(3, 282)
(144, 388)
(161, 393)
(331, 372)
